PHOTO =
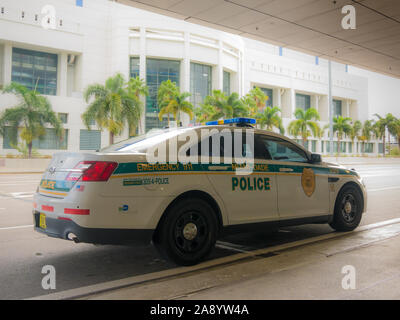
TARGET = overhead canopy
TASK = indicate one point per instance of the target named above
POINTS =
(310, 26)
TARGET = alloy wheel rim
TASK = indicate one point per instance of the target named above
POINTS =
(190, 232)
(349, 208)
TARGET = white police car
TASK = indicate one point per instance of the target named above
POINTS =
(211, 180)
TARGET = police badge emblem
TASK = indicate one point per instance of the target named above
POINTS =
(308, 181)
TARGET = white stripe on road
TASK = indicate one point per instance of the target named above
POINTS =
(383, 189)
(17, 227)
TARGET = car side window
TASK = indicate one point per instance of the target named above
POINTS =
(282, 150)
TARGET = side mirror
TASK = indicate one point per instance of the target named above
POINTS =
(316, 158)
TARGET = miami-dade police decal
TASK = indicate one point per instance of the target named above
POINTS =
(308, 181)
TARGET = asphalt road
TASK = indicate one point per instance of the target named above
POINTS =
(23, 252)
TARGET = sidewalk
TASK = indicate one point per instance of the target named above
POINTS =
(309, 271)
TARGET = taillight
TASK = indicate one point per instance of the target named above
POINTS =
(92, 171)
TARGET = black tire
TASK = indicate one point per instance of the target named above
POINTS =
(187, 232)
(348, 209)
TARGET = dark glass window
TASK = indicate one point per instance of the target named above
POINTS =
(90, 140)
(35, 70)
(134, 67)
(200, 82)
(303, 101)
(158, 71)
(227, 83)
(269, 94)
(337, 108)
(51, 141)
(63, 117)
(7, 137)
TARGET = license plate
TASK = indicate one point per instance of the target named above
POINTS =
(42, 221)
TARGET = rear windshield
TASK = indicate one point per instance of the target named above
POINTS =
(142, 142)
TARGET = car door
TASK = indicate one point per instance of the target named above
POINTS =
(302, 186)
(248, 198)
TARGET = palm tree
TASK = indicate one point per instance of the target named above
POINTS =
(384, 123)
(176, 105)
(270, 119)
(355, 131)
(32, 113)
(366, 131)
(166, 91)
(223, 106)
(305, 124)
(341, 126)
(136, 88)
(397, 131)
(113, 103)
(205, 113)
(256, 100)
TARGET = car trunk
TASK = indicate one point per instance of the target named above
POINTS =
(54, 181)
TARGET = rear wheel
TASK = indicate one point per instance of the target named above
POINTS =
(348, 209)
(188, 232)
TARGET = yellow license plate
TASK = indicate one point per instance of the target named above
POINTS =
(42, 221)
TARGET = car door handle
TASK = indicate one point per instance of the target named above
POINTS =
(285, 169)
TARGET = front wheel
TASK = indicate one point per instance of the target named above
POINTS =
(348, 209)
(188, 232)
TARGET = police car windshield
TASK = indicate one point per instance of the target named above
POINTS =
(144, 141)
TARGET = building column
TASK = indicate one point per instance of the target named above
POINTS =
(142, 75)
(62, 74)
(185, 76)
(292, 101)
(7, 63)
(218, 83)
(347, 108)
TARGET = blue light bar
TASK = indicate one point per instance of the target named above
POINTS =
(234, 120)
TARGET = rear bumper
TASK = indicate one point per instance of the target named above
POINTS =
(62, 228)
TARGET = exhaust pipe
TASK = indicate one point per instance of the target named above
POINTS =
(73, 237)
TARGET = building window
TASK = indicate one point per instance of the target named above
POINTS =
(322, 146)
(158, 71)
(134, 67)
(350, 147)
(303, 101)
(7, 138)
(51, 141)
(314, 146)
(269, 94)
(380, 147)
(343, 147)
(227, 83)
(35, 70)
(90, 139)
(63, 117)
(200, 82)
(337, 108)
(368, 147)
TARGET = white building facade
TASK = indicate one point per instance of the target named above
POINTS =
(92, 40)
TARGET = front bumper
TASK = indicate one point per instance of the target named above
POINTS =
(58, 228)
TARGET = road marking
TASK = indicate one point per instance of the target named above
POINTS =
(383, 189)
(181, 271)
(232, 247)
(17, 227)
